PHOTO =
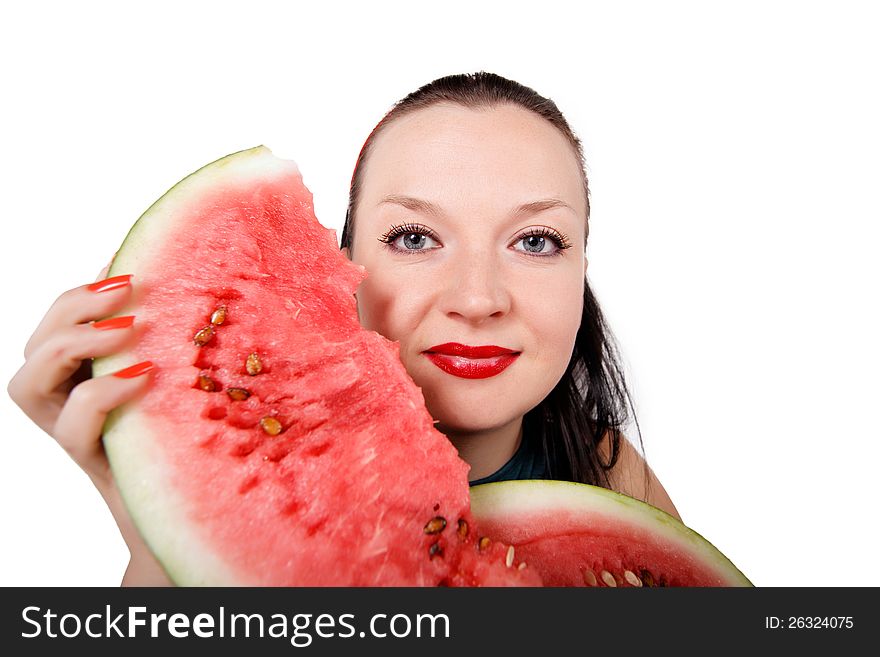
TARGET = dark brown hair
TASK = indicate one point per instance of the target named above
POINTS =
(591, 400)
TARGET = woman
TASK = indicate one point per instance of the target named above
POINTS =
(469, 209)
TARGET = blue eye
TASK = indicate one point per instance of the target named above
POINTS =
(413, 241)
(542, 241)
(534, 243)
(410, 238)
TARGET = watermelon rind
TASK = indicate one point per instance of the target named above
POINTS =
(506, 501)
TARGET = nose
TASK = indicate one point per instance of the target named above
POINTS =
(475, 290)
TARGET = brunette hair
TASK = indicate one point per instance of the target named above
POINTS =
(590, 402)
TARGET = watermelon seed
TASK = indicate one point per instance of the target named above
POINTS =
(437, 506)
(270, 425)
(206, 383)
(590, 578)
(462, 528)
(238, 394)
(647, 577)
(508, 561)
(204, 336)
(522, 564)
(608, 578)
(630, 577)
(218, 316)
(435, 525)
(435, 550)
(483, 543)
(253, 365)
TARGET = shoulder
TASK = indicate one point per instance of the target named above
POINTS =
(631, 476)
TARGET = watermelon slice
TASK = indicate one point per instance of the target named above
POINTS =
(579, 535)
(280, 443)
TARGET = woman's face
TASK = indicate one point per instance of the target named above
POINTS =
(465, 260)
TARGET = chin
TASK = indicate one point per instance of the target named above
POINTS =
(467, 405)
(472, 413)
(461, 426)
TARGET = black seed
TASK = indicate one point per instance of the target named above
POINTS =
(435, 550)
(462, 528)
(484, 543)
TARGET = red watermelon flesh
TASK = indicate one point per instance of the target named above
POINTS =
(279, 443)
(578, 535)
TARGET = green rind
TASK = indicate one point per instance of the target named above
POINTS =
(157, 514)
(507, 499)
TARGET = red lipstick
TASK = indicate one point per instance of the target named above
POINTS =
(471, 362)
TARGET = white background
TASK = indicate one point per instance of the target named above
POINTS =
(734, 157)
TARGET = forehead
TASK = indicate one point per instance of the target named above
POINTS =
(448, 152)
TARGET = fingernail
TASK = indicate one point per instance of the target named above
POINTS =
(112, 283)
(114, 323)
(135, 370)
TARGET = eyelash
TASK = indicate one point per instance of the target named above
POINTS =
(562, 242)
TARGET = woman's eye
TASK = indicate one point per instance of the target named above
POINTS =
(537, 244)
(410, 238)
(413, 242)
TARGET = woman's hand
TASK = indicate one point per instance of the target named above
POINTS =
(55, 390)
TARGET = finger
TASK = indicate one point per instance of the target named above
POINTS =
(81, 304)
(59, 358)
(79, 425)
(42, 411)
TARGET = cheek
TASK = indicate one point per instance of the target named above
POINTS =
(556, 318)
(388, 304)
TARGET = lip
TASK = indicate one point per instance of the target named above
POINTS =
(469, 362)
(456, 349)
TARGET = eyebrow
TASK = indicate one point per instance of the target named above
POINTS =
(426, 207)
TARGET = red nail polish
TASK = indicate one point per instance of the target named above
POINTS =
(135, 370)
(113, 283)
(114, 323)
